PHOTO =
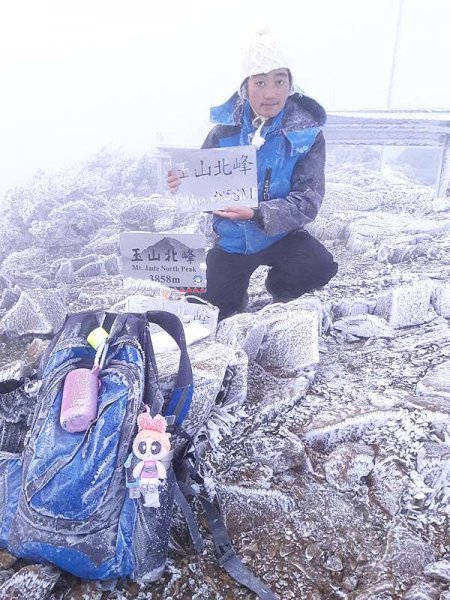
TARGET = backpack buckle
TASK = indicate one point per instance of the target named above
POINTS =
(224, 552)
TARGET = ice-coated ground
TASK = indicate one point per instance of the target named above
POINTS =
(329, 435)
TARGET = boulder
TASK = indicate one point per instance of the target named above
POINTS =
(406, 305)
(38, 312)
(209, 361)
(440, 298)
(244, 331)
(292, 337)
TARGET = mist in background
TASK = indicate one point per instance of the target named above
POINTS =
(76, 76)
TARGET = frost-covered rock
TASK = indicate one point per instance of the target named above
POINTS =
(281, 451)
(406, 553)
(232, 394)
(351, 307)
(34, 582)
(244, 331)
(406, 305)
(422, 591)
(5, 282)
(101, 267)
(433, 467)
(9, 298)
(366, 232)
(104, 243)
(38, 312)
(65, 268)
(313, 304)
(209, 360)
(272, 395)
(436, 382)
(245, 508)
(141, 214)
(12, 237)
(410, 248)
(387, 483)
(292, 337)
(91, 590)
(347, 464)
(14, 371)
(234, 386)
(26, 263)
(364, 326)
(16, 409)
(69, 224)
(439, 570)
(6, 560)
(440, 298)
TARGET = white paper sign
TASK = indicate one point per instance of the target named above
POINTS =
(215, 178)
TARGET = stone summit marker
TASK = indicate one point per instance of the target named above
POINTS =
(175, 260)
(215, 178)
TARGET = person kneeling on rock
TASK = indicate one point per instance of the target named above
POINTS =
(285, 126)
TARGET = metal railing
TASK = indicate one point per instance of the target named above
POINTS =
(375, 128)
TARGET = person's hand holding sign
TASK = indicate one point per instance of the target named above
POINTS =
(173, 181)
(235, 213)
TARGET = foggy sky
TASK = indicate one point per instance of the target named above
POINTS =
(78, 75)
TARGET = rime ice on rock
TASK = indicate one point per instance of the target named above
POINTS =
(9, 298)
(351, 307)
(38, 312)
(387, 482)
(364, 326)
(440, 298)
(366, 231)
(246, 508)
(422, 591)
(407, 249)
(65, 268)
(313, 304)
(91, 590)
(105, 243)
(292, 337)
(34, 582)
(280, 452)
(244, 331)
(271, 395)
(433, 466)
(406, 553)
(439, 570)
(406, 305)
(102, 266)
(209, 360)
(13, 371)
(436, 382)
(6, 560)
(141, 214)
(232, 394)
(347, 464)
(24, 264)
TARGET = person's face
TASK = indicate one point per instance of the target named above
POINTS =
(268, 92)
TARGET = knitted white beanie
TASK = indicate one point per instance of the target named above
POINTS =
(263, 52)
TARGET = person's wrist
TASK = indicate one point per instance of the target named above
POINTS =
(257, 216)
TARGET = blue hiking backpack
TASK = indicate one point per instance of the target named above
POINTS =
(68, 498)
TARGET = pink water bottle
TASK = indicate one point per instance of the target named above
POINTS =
(80, 399)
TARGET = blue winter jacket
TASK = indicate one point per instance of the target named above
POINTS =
(290, 168)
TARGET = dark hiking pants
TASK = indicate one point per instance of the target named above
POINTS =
(299, 263)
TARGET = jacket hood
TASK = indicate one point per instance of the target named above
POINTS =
(301, 112)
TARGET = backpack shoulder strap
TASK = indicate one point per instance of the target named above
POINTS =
(181, 397)
(225, 554)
